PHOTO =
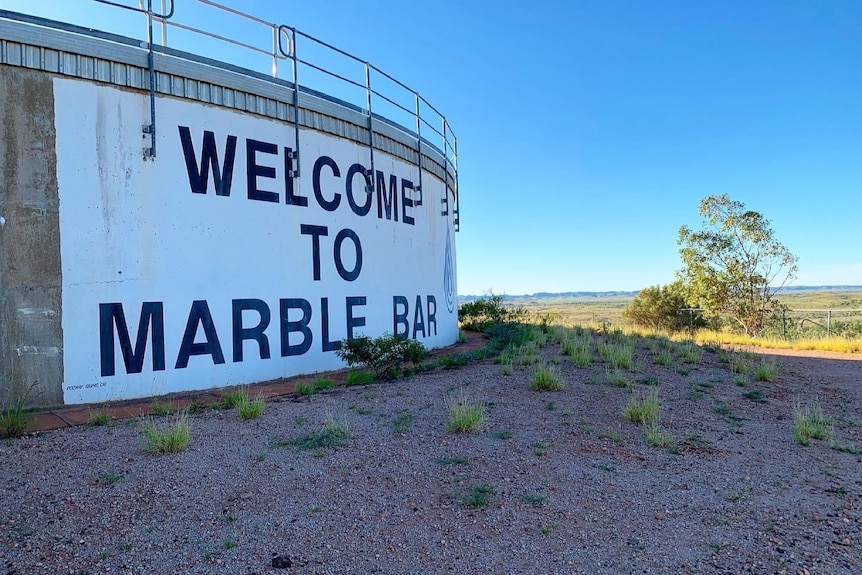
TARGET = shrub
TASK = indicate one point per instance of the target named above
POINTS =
(489, 310)
(383, 355)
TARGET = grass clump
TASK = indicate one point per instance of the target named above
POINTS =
(477, 496)
(171, 436)
(644, 409)
(358, 377)
(109, 478)
(617, 355)
(233, 398)
(402, 422)
(809, 422)
(545, 379)
(246, 408)
(304, 389)
(98, 418)
(454, 361)
(466, 415)
(162, 408)
(250, 409)
(663, 358)
(535, 500)
(657, 437)
(617, 378)
(690, 352)
(334, 434)
(322, 384)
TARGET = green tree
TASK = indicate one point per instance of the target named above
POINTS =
(734, 265)
(659, 308)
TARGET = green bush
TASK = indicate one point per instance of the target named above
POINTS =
(489, 310)
(383, 355)
(658, 307)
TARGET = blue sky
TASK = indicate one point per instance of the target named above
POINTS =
(589, 131)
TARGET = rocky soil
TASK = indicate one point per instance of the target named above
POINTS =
(556, 483)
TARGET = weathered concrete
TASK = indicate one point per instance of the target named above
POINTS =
(31, 336)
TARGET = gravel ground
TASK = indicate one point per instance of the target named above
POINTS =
(571, 486)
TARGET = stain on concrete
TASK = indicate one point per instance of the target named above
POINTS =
(31, 333)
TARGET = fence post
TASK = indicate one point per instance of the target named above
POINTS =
(829, 323)
(784, 322)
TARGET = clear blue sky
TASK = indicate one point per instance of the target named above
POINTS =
(588, 131)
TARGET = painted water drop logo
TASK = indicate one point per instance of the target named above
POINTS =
(449, 275)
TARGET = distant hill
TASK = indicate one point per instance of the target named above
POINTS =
(631, 294)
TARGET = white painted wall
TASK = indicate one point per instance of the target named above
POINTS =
(132, 231)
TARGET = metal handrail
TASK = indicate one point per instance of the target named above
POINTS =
(284, 39)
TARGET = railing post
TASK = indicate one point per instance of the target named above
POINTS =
(164, 23)
(457, 190)
(274, 51)
(151, 128)
(294, 173)
(419, 147)
(369, 188)
(445, 199)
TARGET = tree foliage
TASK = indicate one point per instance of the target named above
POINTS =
(734, 265)
(661, 308)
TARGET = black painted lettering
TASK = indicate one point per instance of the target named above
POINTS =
(339, 262)
(349, 190)
(199, 176)
(418, 318)
(301, 326)
(326, 345)
(352, 321)
(388, 202)
(152, 315)
(199, 315)
(315, 232)
(255, 170)
(290, 197)
(328, 205)
(432, 314)
(255, 333)
(399, 318)
(406, 201)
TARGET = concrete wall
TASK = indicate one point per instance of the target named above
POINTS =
(31, 336)
(125, 277)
